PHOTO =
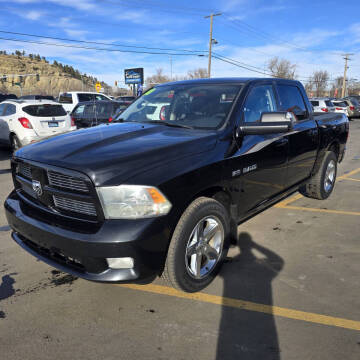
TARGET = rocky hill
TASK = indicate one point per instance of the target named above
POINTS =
(52, 79)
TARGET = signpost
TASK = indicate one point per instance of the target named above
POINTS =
(134, 77)
(98, 87)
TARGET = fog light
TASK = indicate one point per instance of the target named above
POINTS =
(120, 263)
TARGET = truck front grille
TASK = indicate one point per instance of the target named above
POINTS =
(66, 181)
(24, 169)
(75, 206)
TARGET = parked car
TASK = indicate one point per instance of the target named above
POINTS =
(341, 107)
(70, 99)
(127, 100)
(37, 97)
(92, 113)
(130, 201)
(322, 105)
(353, 107)
(4, 97)
(27, 121)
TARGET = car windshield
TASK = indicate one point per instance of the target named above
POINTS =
(203, 106)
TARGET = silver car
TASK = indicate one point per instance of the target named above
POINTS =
(341, 107)
(322, 105)
(353, 106)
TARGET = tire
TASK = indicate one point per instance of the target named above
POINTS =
(187, 249)
(15, 143)
(321, 185)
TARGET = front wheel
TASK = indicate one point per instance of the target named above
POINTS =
(198, 246)
(321, 185)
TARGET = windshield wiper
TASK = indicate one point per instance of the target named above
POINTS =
(170, 124)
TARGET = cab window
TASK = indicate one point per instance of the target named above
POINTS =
(260, 99)
(291, 100)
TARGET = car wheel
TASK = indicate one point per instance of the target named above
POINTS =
(15, 143)
(321, 185)
(198, 246)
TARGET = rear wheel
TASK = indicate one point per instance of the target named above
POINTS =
(198, 246)
(15, 143)
(321, 185)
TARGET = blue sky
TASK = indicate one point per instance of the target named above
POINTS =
(311, 34)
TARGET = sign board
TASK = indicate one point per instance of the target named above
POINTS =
(98, 86)
(134, 76)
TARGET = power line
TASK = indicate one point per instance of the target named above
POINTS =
(97, 42)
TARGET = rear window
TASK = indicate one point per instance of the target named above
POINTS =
(314, 103)
(65, 99)
(340, 103)
(104, 109)
(329, 103)
(45, 110)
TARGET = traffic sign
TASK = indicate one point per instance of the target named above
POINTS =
(98, 87)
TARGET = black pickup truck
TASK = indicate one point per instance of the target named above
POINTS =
(151, 196)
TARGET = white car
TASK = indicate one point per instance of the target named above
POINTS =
(70, 99)
(26, 121)
(341, 107)
(322, 105)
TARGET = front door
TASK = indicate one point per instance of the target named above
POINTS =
(259, 165)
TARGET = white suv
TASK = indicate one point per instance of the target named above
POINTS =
(70, 99)
(322, 105)
(25, 121)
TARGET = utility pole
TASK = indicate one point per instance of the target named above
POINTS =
(211, 16)
(170, 68)
(346, 58)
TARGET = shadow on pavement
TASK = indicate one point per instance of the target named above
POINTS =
(246, 334)
(6, 287)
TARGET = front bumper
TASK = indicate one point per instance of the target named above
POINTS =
(84, 254)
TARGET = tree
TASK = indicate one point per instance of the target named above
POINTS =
(320, 80)
(158, 78)
(282, 68)
(199, 73)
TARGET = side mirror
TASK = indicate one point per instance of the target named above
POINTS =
(270, 123)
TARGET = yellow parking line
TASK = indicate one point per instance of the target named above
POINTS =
(356, 213)
(349, 174)
(250, 306)
(288, 201)
(349, 178)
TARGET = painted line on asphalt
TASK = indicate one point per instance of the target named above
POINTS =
(345, 176)
(349, 178)
(341, 212)
(249, 306)
(288, 201)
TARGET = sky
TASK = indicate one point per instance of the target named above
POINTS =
(311, 34)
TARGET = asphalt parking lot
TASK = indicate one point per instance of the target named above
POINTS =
(289, 290)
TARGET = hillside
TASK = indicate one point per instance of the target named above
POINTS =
(53, 78)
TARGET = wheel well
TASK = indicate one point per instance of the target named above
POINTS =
(335, 147)
(218, 193)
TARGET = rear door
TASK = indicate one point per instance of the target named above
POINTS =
(4, 127)
(47, 119)
(259, 166)
(304, 139)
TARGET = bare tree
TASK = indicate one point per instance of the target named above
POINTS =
(199, 73)
(158, 78)
(282, 68)
(320, 79)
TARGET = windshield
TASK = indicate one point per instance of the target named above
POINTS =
(201, 106)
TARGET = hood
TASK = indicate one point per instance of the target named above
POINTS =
(110, 154)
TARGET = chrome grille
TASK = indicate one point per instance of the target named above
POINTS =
(67, 181)
(77, 206)
(24, 170)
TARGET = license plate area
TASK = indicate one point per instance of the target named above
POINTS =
(53, 124)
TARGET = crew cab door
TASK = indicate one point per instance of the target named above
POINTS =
(259, 165)
(304, 139)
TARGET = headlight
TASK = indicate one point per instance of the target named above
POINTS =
(132, 202)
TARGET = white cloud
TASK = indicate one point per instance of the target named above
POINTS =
(32, 15)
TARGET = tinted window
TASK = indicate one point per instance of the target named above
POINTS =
(89, 111)
(65, 99)
(340, 103)
(355, 101)
(329, 103)
(200, 106)
(79, 110)
(2, 107)
(291, 100)
(85, 97)
(314, 103)
(100, 97)
(260, 99)
(45, 110)
(10, 110)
